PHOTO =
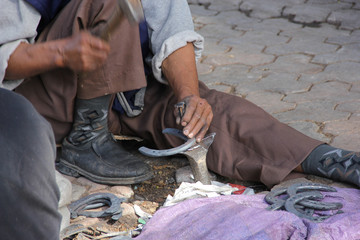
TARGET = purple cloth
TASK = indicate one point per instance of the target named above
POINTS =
(245, 217)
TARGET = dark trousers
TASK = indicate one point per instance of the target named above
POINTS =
(28, 191)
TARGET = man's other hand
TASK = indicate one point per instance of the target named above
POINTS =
(197, 117)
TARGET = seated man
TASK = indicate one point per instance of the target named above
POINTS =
(72, 78)
(29, 193)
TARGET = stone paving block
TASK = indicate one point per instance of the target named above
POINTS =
(240, 46)
(284, 83)
(317, 110)
(221, 88)
(331, 91)
(218, 31)
(250, 7)
(269, 101)
(273, 25)
(301, 45)
(263, 37)
(348, 126)
(225, 5)
(347, 141)
(342, 37)
(357, 6)
(230, 75)
(233, 18)
(347, 18)
(310, 129)
(272, 8)
(211, 47)
(321, 1)
(315, 33)
(203, 68)
(240, 58)
(294, 63)
(309, 13)
(311, 78)
(351, 106)
(350, 52)
(355, 87)
(346, 132)
(197, 10)
(344, 72)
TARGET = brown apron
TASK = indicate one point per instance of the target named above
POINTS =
(249, 145)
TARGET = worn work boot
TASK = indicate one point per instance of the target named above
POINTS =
(91, 151)
(333, 163)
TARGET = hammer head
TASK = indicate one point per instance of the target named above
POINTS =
(132, 9)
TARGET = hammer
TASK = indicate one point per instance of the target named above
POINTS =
(131, 9)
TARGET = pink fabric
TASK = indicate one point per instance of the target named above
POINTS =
(245, 217)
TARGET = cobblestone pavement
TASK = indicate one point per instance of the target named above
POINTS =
(297, 59)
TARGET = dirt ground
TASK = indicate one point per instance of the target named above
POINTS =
(149, 195)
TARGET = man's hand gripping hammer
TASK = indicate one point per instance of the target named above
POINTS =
(130, 9)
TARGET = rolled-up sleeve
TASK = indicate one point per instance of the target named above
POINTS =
(170, 27)
(18, 23)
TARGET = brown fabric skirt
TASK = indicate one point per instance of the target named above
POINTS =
(249, 144)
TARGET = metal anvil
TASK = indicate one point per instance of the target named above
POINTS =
(195, 153)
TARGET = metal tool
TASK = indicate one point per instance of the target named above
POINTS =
(195, 153)
(181, 108)
(130, 9)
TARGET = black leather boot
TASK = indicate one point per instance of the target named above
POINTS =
(91, 151)
(334, 163)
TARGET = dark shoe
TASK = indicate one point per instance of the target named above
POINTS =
(103, 161)
(91, 151)
(334, 163)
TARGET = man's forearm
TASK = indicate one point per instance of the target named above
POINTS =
(81, 52)
(31, 59)
(180, 71)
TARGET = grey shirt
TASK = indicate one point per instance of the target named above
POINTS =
(170, 28)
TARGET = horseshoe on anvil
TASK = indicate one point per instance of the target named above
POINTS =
(195, 153)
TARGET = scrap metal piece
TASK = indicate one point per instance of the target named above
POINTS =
(293, 189)
(80, 207)
(293, 200)
(298, 187)
(272, 198)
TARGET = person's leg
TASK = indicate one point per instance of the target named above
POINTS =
(249, 144)
(334, 163)
(29, 194)
(77, 104)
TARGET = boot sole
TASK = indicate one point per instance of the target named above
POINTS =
(74, 171)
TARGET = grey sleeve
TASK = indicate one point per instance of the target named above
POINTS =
(18, 23)
(170, 27)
